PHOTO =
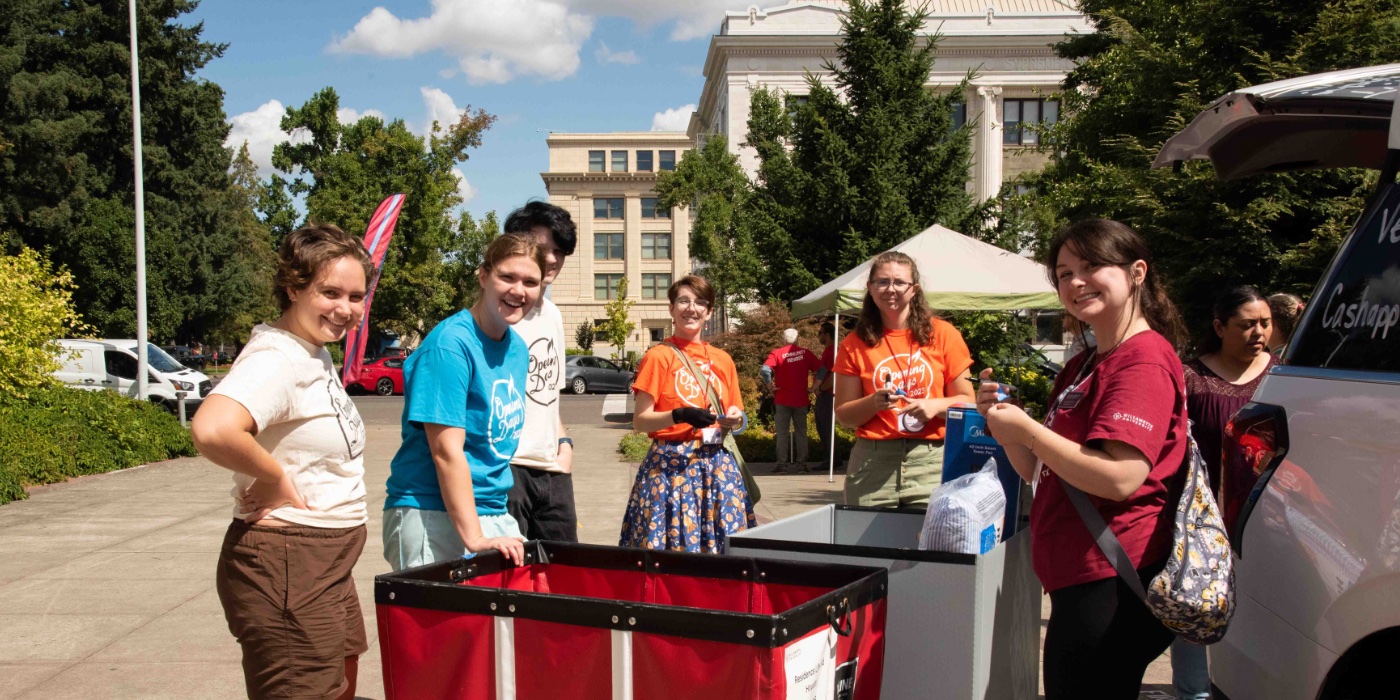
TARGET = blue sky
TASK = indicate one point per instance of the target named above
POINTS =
(538, 65)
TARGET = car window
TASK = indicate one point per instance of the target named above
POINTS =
(587, 362)
(1351, 320)
(160, 361)
(609, 364)
(394, 363)
(120, 364)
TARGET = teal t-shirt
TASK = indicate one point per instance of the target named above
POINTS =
(460, 377)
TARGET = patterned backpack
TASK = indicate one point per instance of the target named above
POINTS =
(1194, 595)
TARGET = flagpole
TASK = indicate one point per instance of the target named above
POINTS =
(141, 333)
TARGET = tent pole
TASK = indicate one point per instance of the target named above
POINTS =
(831, 455)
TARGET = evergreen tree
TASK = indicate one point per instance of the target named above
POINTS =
(1154, 65)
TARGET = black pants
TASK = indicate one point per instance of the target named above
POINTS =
(543, 503)
(823, 416)
(1100, 640)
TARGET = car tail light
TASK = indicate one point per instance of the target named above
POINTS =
(1256, 440)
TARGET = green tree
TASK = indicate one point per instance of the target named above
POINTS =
(618, 325)
(36, 301)
(67, 182)
(862, 164)
(465, 254)
(345, 170)
(247, 277)
(1151, 67)
(583, 336)
(711, 182)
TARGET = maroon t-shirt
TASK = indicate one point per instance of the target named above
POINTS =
(791, 365)
(1135, 395)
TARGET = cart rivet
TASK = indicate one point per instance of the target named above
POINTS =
(656, 565)
(745, 572)
(512, 608)
(784, 631)
(391, 595)
(750, 633)
(493, 606)
(631, 620)
(614, 619)
(763, 574)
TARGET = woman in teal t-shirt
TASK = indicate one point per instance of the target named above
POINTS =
(464, 406)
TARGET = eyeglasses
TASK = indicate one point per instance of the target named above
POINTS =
(897, 285)
(687, 303)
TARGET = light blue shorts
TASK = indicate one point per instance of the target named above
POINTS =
(415, 537)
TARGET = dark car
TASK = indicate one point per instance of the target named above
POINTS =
(585, 373)
(185, 356)
(383, 376)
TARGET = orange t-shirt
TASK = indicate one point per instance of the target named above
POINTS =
(663, 375)
(921, 370)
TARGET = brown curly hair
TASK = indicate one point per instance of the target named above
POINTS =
(307, 252)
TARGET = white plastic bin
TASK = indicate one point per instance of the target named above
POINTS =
(961, 626)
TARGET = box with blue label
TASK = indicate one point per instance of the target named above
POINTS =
(967, 446)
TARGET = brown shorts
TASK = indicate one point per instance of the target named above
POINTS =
(291, 603)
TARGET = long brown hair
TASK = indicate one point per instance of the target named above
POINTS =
(869, 326)
(1109, 242)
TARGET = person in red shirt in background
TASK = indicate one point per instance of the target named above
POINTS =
(823, 389)
(1117, 431)
(787, 369)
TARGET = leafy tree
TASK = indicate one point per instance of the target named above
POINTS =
(711, 182)
(465, 252)
(1151, 67)
(345, 170)
(864, 163)
(36, 301)
(247, 276)
(617, 326)
(583, 336)
(66, 179)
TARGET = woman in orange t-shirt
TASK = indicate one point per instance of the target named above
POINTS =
(689, 494)
(896, 376)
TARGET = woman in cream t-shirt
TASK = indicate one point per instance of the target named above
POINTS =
(282, 423)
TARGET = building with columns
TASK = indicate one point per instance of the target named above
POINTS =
(607, 183)
(1007, 44)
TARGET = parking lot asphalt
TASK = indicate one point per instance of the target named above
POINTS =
(107, 581)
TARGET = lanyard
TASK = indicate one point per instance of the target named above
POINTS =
(903, 368)
(1085, 372)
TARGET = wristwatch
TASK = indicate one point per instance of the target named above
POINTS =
(566, 441)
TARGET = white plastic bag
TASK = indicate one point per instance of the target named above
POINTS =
(965, 515)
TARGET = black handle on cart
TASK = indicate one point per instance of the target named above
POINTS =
(834, 613)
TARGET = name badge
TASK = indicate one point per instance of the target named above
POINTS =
(1071, 400)
(712, 436)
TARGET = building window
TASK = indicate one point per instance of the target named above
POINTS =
(656, 334)
(605, 287)
(1019, 116)
(654, 285)
(607, 207)
(619, 159)
(667, 159)
(795, 103)
(595, 161)
(598, 335)
(656, 246)
(607, 246)
(959, 115)
(643, 161)
(654, 209)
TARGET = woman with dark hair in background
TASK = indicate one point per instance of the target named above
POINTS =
(282, 423)
(1117, 432)
(1285, 309)
(896, 375)
(1233, 359)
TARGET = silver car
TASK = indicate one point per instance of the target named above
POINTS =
(1311, 467)
(585, 373)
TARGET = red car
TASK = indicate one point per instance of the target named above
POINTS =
(383, 376)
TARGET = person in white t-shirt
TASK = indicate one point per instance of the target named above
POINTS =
(542, 498)
(282, 423)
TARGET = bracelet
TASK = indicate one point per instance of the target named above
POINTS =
(1034, 435)
(566, 441)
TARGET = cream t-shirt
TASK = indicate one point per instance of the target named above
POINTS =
(306, 422)
(543, 332)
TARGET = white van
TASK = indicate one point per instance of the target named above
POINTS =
(111, 364)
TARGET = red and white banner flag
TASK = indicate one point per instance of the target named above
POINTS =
(377, 235)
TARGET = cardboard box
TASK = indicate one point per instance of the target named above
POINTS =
(967, 447)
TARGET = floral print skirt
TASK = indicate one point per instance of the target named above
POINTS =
(686, 498)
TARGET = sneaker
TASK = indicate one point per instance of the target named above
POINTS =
(780, 468)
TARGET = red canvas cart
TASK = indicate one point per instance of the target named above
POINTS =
(606, 623)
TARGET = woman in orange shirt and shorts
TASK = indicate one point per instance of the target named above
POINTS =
(689, 494)
(896, 376)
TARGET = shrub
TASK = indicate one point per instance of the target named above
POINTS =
(633, 446)
(36, 303)
(56, 433)
(583, 337)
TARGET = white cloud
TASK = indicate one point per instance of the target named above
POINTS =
(493, 42)
(607, 55)
(464, 188)
(676, 119)
(260, 129)
(440, 108)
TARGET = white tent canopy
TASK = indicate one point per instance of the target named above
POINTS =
(957, 273)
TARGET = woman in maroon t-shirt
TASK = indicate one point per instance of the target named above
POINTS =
(1117, 430)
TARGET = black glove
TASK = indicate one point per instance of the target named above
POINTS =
(698, 417)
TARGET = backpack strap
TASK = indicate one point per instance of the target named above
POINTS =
(1107, 541)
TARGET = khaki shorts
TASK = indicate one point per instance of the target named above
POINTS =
(893, 473)
(291, 603)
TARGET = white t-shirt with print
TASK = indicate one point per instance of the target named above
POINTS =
(306, 422)
(543, 332)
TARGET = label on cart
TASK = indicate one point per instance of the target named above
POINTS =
(810, 667)
(846, 680)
